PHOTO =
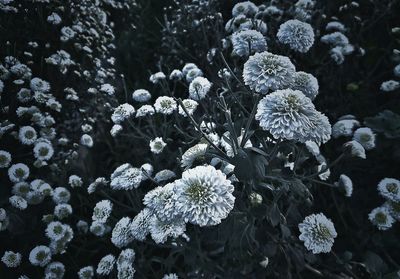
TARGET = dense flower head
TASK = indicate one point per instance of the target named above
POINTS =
(161, 201)
(157, 145)
(126, 177)
(145, 110)
(298, 35)
(318, 233)
(121, 234)
(199, 88)
(43, 150)
(306, 83)
(27, 135)
(86, 272)
(140, 225)
(122, 112)
(289, 114)
(389, 188)
(246, 8)
(190, 106)
(5, 159)
(161, 230)
(141, 95)
(18, 172)
(365, 137)
(204, 196)
(165, 105)
(55, 270)
(344, 127)
(106, 264)
(102, 211)
(11, 259)
(40, 256)
(194, 153)
(248, 42)
(266, 71)
(345, 184)
(381, 218)
(355, 149)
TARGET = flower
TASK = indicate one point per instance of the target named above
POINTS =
(390, 85)
(126, 255)
(108, 89)
(115, 130)
(190, 106)
(97, 228)
(40, 256)
(18, 172)
(61, 195)
(345, 184)
(247, 42)
(62, 210)
(86, 140)
(86, 272)
(140, 225)
(381, 218)
(389, 188)
(199, 88)
(18, 202)
(164, 175)
(204, 196)
(176, 75)
(335, 39)
(165, 105)
(126, 271)
(365, 137)
(157, 77)
(161, 230)
(354, 149)
(39, 85)
(102, 211)
(55, 230)
(157, 145)
(289, 114)
(194, 153)
(43, 150)
(122, 112)
(27, 135)
(55, 270)
(121, 234)
(75, 181)
(192, 74)
(145, 110)
(246, 8)
(266, 71)
(306, 83)
(170, 276)
(126, 177)
(5, 159)
(298, 35)
(11, 259)
(141, 95)
(344, 127)
(161, 201)
(105, 265)
(318, 233)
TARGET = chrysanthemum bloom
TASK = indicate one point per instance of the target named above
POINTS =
(55, 270)
(164, 175)
(40, 256)
(105, 265)
(365, 137)
(306, 83)
(18, 202)
(345, 185)
(335, 26)
(344, 127)
(126, 271)
(266, 71)
(335, 39)
(176, 75)
(141, 95)
(190, 106)
(108, 89)
(115, 130)
(102, 211)
(11, 259)
(157, 77)
(97, 228)
(289, 114)
(43, 150)
(394, 209)
(126, 177)
(86, 140)
(165, 105)
(161, 201)
(62, 210)
(188, 67)
(194, 153)
(18, 172)
(354, 149)
(170, 276)
(126, 255)
(122, 113)
(193, 73)
(5, 159)
(248, 42)
(140, 225)
(204, 196)
(55, 230)
(161, 230)
(54, 19)
(61, 195)
(157, 145)
(121, 234)
(27, 135)
(199, 88)
(145, 110)
(390, 85)
(318, 233)
(298, 35)
(86, 272)
(389, 188)
(396, 70)
(39, 85)
(75, 181)
(381, 218)
(246, 8)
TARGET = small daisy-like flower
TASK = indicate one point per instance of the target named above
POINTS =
(40, 256)
(381, 218)
(86, 272)
(365, 137)
(122, 113)
(390, 85)
(61, 195)
(27, 135)
(141, 95)
(318, 233)
(161, 201)
(394, 209)
(140, 225)
(192, 74)
(176, 75)
(75, 181)
(161, 230)
(86, 140)
(190, 106)
(157, 77)
(54, 19)
(157, 145)
(39, 85)
(43, 150)
(62, 210)
(126, 177)
(11, 259)
(194, 153)
(145, 110)
(170, 276)
(125, 271)
(354, 149)
(165, 105)
(121, 234)
(115, 130)
(389, 188)
(126, 255)
(344, 127)
(248, 42)
(204, 196)
(246, 8)
(306, 83)
(55, 270)
(97, 228)
(199, 88)
(5, 159)
(188, 67)
(105, 265)
(108, 89)
(55, 230)
(164, 175)
(266, 71)
(18, 172)
(345, 185)
(18, 202)
(298, 35)
(82, 226)
(102, 211)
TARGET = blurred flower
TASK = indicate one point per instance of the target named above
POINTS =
(365, 137)
(345, 185)
(306, 83)
(5, 159)
(381, 218)
(246, 8)
(122, 112)
(389, 188)
(40, 256)
(102, 211)
(11, 259)
(298, 35)
(194, 153)
(141, 95)
(354, 149)
(248, 42)
(157, 145)
(105, 265)
(199, 88)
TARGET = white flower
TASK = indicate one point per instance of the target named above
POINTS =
(39, 85)
(161, 201)
(188, 67)
(344, 127)
(54, 19)
(5, 159)
(289, 114)
(381, 218)
(86, 272)
(365, 137)
(140, 225)
(121, 234)
(390, 85)
(355, 149)
(194, 153)
(345, 184)
(75, 181)
(105, 265)
(97, 228)
(18, 202)
(161, 230)
(102, 211)
(43, 150)
(199, 88)
(157, 145)
(204, 196)
(318, 233)
(86, 140)
(157, 77)
(164, 175)
(190, 106)
(306, 83)
(141, 95)
(335, 39)
(246, 8)
(18, 172)
(55, 230)
(125, 271)
(126, 177)
(170, 276)
(266, 71)
(165, 105)
(396, 70)
(248, 42)
(62, 210)
(107, 88)
(40, 256)
(11, 259)
(55, 270)
(115, 130)
(298, 35)
(389, 188)
(122, 112)
(145, 110)
(61, 195)
(176, 75)
(27, 135)
(126, 255)
(335, 26)
(192, 74)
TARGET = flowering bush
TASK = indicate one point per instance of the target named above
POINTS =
(199, 139)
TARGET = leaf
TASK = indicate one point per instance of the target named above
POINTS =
(274, 215)
(375, 264)
(386, 122)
